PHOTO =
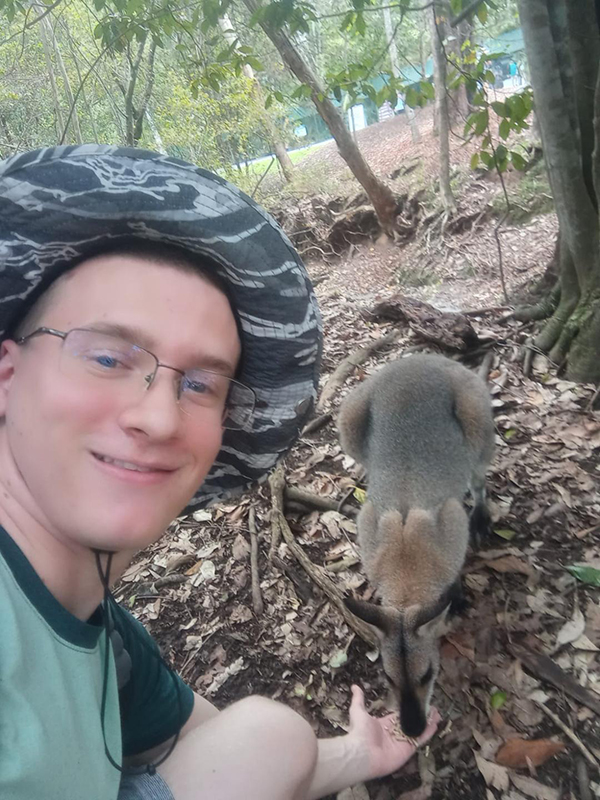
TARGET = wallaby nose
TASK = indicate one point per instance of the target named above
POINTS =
(412, 715)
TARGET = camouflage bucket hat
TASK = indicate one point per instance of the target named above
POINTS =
(59, 204)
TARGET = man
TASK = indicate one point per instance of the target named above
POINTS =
(159, 334)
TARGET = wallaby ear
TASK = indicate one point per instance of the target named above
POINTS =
(433, 628)
(380, 618)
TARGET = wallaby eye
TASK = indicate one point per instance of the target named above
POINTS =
(389, 680)
(427, 677)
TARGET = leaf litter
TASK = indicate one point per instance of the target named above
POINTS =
(533, 584)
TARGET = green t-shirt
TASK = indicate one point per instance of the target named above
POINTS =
(51, 678)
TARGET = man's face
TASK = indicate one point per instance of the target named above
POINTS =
(59, 436)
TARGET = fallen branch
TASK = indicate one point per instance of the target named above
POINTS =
(476, 312)
(257, 601)
(570, 733)
(316, 573)
(583, 778)
(277, 484)
(484, 369)
(529, 353)
(343, 564)
(349, 364)
(316, 423)
(169, 580)
(446, 329)
(316, 501)
(546, 669)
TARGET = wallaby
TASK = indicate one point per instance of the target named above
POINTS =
(422, 428)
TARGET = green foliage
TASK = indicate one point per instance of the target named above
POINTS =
(585, 574)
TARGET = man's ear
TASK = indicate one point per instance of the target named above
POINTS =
(382, 619)
(8, 357)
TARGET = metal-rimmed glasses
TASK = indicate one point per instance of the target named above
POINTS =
(93, 356)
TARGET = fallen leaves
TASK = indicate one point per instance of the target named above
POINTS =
(510, 564)
(494, 775)
(520, 753)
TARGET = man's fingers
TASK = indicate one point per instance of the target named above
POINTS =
(358, 698)
(432, 724)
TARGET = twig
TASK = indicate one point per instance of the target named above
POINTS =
(486, 364)
(31, 22)
(262, 177)
(592, 404)
(583, 779)
(257, 600)
(545, 668)
(344, 499)
(570, 733)
(349, 364)
(316, 501)
(343, 564)
(529, 353)
(491, 310)
(454, 21)
(316, 573)
(316, 423)
(169, 580)
(277, 484)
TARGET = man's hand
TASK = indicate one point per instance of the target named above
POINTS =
(375, 737)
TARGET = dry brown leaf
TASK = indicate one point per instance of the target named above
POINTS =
(494, 775)
(463, 648)
(510, 564)
(516, 752)
(572, 629)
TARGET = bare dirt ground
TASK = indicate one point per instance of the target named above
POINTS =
(519, 688)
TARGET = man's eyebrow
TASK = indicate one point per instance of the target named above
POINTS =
(136, 335)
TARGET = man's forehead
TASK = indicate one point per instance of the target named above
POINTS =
(143, 301)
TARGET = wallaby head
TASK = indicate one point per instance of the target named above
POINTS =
(414, 565)
(409, 653)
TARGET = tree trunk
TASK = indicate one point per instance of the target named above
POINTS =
(72, 47)
(380, 195)
(50, 67)
(393, 51)
(49, 30)
(278, 147)
(562, 50)
(441, 105)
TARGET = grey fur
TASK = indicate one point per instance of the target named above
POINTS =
(422, 427)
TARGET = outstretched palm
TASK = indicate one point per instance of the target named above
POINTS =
(385, 751)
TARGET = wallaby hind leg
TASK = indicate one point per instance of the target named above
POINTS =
(480, 521)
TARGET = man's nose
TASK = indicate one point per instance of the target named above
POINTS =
(155, 410)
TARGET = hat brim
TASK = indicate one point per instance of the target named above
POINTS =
(59, 204)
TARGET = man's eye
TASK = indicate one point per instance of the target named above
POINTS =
(427, 677)
(106, 360)
(196, 386)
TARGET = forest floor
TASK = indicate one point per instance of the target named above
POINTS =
(525, 653)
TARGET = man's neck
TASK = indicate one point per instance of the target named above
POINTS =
(69, 571)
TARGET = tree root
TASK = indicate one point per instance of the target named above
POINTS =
(311, 500)
(316, 573)
(542, 310)
(349, 364)
(257, 601)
